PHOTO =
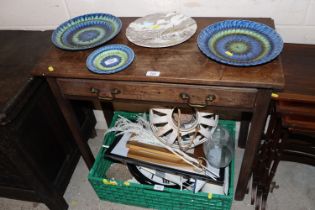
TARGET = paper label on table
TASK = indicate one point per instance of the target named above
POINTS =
(111, 61)
(158, 187)
(153, 74)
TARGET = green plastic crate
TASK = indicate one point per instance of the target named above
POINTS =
(144, 195)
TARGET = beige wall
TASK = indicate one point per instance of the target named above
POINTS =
(295, 20)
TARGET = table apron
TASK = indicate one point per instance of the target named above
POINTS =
(194, 95)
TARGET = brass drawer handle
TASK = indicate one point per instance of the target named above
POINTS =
(186, 98)
(113, 93)
(94, 90)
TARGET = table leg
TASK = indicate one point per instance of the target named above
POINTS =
(254, 137)
(244, 129)
(72, 122)
(108, 111)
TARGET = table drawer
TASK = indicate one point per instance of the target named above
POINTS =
(194, 95)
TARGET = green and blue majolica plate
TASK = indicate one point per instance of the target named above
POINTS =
(240, 42)
(110, 59)
(86, 31)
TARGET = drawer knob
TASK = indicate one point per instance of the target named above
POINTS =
(185, 97)
(113, 93)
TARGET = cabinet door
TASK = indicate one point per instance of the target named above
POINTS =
(10, 175)
(37, 144)
(42, 134)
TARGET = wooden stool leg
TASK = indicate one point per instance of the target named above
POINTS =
(258, 167)
(264, 201)
(273, 158)
(264, 161)
(253, 192)
(258, 199)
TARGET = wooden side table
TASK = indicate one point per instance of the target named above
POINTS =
(184, 70)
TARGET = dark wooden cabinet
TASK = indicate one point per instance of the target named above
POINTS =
(38, 153)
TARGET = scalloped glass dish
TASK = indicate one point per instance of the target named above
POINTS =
(110, 59)
(240, 42)
(86, 31)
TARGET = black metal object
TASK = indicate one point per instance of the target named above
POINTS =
(282, 142)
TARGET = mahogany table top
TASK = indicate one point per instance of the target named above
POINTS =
(180, 64)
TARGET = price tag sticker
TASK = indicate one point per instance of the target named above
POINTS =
(158, 187)
(229, 53)
(153, 74)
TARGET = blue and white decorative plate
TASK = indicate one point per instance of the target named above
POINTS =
(240, 42)
(110, 59)
(86, 31)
